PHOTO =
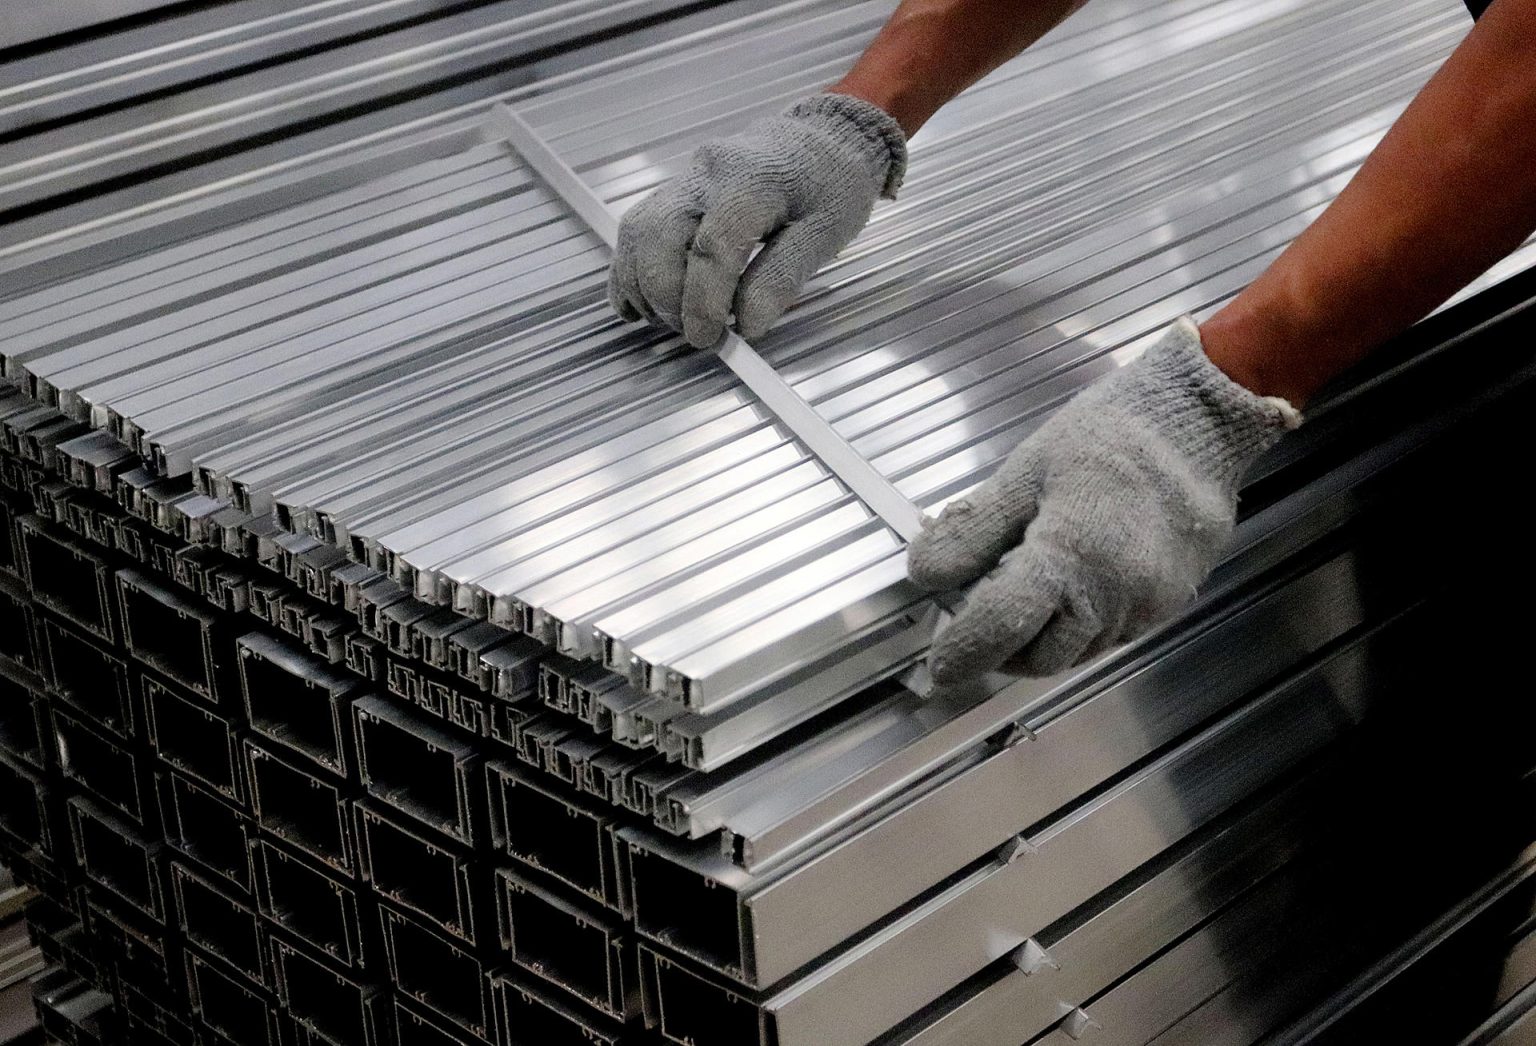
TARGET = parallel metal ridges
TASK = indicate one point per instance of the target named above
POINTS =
(1016, 821)
(135, 119)
(702, 554)
(248, 769)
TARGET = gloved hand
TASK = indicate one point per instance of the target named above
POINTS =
(1102, 523)
(804, 183)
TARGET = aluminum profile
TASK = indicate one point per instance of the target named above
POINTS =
(586, 953)
(785, 569)
(297, 701)
(199, 823)
(308, 902)
(118, 857)
(414, 765)
(225, 926)
(90, 678)
(113, 772)
(332, 1006)
(515, 528)
(194, 739)
(226, 1004)
(24, 815)
(421, 875)
(438, 973)
(300, 806)
(23, 719)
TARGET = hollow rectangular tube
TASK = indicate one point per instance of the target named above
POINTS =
(234, 1009)
(428, 967)
(420, 874)
(333, 1007)
(110, 770)
(173, 634)
(199, 823)
(68, 577)
(24, 817)
(413, 1027)
(113, 854)
(223, 925)
(306, 809)
(586, 953)
(313, 905)
(548, 1021)
(419, 768)
(297, 701)
(566, 836)
(92, 679)
(198, 741)
(24, 717)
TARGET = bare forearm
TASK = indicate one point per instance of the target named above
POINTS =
(931, 50)
(1449, 191)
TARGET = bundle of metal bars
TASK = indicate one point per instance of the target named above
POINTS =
(411, 650)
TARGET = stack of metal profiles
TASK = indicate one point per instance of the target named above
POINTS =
(544, 688)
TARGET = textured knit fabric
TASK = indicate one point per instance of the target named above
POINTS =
(802, 184)
(1102, 523)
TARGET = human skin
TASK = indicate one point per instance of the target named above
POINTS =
(1449, 191)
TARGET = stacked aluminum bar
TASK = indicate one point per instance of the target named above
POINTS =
(622, 651)
(419, 369)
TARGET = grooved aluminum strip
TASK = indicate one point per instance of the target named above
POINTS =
(420, 369)
(1027, 798)
(788, 408)
(225, 92)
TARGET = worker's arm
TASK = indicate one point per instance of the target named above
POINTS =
(931, 50)
(803, 183)
(1102, 524)
(1449, 191)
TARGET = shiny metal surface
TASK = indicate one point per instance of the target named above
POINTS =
(370, 373)
(25, 24)
(275, 86)
(472, 495)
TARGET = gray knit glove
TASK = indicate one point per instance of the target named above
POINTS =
(1102, 523)
(802, 183)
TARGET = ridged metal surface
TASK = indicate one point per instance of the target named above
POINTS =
(426, 376)
(216, 94)
(385, 410)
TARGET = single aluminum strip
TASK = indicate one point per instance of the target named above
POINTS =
(799, 416)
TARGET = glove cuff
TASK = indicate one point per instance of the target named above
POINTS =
(876, 126)
(1220, 425)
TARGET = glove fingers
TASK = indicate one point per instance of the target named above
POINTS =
(618, 298)
(773, 279)
(729, 231)
(645, 251)
(973, 532)
(1065, 641)
(664, 264)
(1002, 614)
